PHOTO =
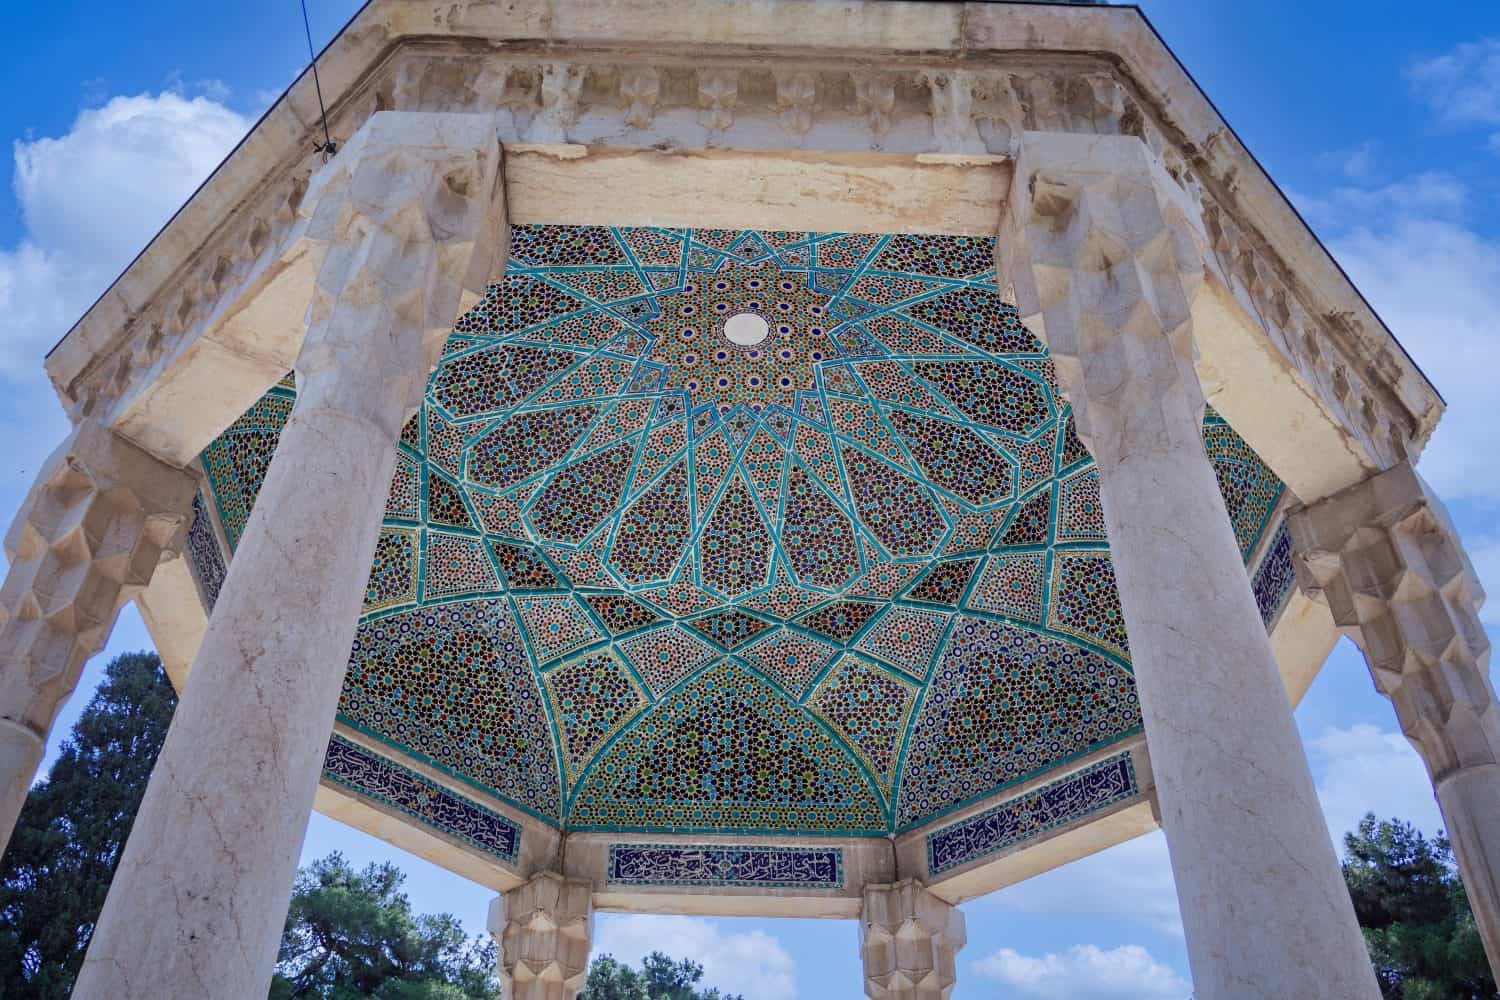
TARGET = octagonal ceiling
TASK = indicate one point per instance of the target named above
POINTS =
(838, 574)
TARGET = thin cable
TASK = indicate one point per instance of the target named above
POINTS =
(328, 146)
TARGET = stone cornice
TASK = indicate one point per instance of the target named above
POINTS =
(923, 82)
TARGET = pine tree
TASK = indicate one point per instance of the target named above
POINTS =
(1416, 918)
(68, 838)
(659, 978)
(352, 934)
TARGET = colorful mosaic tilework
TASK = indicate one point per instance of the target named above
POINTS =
(726, 866)
(1004, 703)
(237, 460)
(637, 575)
(372, 776)
(1020, 819)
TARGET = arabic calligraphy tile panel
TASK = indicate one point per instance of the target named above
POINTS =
(204, 555)
(727, 866)
(1031, 815)
(1274, 578)
(377, 778)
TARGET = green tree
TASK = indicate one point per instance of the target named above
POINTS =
(1415, 915)
(352, 934)
(659, 978)
(68, 838)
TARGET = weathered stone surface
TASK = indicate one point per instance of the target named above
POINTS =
(413, 221)
(543, 931)
(100, 517)
(1106, 254)
(909, 941)
(1385, 557)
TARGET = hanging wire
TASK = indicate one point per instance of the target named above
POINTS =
(327, 147)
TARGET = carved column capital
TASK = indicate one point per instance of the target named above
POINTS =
(543, 931)
(1384, 556)
(909, 941)
(1104, 253)
(413, 218)
(99, 518)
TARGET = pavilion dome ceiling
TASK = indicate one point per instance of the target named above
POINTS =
(838, 568)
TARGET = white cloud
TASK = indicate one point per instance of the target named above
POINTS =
(98, 193)
(90, 200)
(1356, 162)
(1462, 85)
(1130, 881)
(751, 963)
(1364, 768)
(1084, 972)
(1436, 283)
(1432, 193)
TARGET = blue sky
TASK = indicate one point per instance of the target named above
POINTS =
(1383, 126)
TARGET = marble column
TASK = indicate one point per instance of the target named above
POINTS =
(100, 517)
(1384, 555)
(543, 931)
(411, 221)
(1105, 254)
(909, 942)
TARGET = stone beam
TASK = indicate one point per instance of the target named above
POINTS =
(772, 76)
(251, 335)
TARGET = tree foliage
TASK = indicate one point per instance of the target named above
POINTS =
(352, 934)
(1416, 917)
(659, 978)
(69, 835)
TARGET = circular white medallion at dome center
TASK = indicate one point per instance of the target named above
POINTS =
(746, 329)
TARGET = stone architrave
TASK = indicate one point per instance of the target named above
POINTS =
(100, 517)
(1386, 558)
(543, 931)
(1106, 255)
(412, 216)
(909, 942)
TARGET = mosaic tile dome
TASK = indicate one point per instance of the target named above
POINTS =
(637, 575)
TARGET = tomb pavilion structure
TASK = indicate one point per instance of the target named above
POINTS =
(829, 458)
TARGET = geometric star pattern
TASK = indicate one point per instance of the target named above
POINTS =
(636, 575)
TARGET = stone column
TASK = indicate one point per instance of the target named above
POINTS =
(99, 518)
(1386, 558)
(543, 931)
(413, 223)
(1106, 255)
(909, 941)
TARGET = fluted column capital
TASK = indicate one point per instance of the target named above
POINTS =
(543, 931)
(909, 941)
(1104, 252)
(411, 212)
(100, 516)
(1385, 557)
